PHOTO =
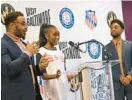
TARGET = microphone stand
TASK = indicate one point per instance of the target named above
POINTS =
(105, 49)
(92, 40)
(95, 41)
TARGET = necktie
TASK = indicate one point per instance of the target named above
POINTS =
(22, 47)
(119, 52)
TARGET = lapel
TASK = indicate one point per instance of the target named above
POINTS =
(123, 49)
(15, 50)
(113, 51)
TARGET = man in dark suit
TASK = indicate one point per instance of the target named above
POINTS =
(122, 72)
(18, 76)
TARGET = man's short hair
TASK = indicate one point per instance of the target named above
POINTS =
(118, 22)
(12, 16)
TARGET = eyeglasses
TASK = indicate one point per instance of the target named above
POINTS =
(22, 23)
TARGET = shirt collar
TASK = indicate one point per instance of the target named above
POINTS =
(13, 37)
(116, 41)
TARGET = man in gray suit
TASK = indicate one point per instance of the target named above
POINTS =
(121, 72)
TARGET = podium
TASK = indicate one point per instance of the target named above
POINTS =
(95, 79)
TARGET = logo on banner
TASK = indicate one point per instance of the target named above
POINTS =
(35, 18)
(5, 10)
(94, 50)
(91, 19)
(66, 18)
(68, 51)
(110, 16)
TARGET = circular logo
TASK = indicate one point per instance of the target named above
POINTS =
(94, 50)
(5, 10)
(110, 16)
(66, 18)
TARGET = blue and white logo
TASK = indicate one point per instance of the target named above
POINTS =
(94, 50)
(66, 18)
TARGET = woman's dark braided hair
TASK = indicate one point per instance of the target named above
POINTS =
(43, 31)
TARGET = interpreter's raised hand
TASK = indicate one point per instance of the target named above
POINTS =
(32, 48)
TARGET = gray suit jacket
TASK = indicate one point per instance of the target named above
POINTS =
(127, 60)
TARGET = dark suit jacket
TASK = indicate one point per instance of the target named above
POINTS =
(127, 60)
(16, 80)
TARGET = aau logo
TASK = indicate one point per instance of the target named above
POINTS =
(5, 10)
(66, 18)
(94, 50)
(91, 19)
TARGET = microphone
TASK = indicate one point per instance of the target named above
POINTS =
(72, 44)
(37, 58)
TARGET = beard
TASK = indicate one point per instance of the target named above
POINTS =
(115, 35)
(24, 36)
(19, 33)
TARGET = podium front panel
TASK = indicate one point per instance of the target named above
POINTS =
(97, 82)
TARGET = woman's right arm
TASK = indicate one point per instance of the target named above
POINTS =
(46, 76)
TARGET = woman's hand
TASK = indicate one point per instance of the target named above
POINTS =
(43, 63)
